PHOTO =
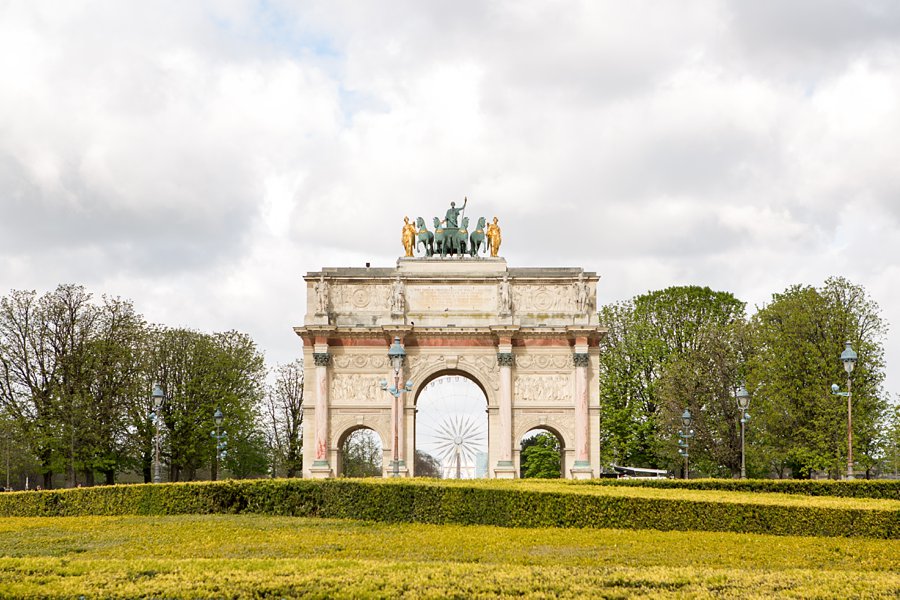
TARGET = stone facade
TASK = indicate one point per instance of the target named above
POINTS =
(527, 336)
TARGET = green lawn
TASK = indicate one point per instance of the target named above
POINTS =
(259, 556)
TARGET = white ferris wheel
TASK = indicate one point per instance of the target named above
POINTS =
(451, 426)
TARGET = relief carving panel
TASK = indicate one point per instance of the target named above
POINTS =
(544, 388)
(353, 298)
(355, 388)
(543, 298)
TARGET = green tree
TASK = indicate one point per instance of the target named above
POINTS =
(427, 465)
(799, 337)
(891, 442)
(704, 379)
(644, 336)
(540, 457)
(283, 413)
(200, 373)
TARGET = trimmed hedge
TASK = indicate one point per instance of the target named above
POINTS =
(857, 488)
(434, 502)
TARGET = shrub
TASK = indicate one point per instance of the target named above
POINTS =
(858, 488)
(504, 504)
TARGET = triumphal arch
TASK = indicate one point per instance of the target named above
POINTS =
(528, 337)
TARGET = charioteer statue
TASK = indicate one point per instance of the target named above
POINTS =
(451, 236)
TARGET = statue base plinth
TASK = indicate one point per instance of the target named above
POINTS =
(504, 470)
(582, 472)
(320, 471)
(461, 265)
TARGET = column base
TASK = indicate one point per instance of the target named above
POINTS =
(505, 470)
(320, 469)
(582, 470)
(402, 470)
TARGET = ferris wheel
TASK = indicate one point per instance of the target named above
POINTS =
(451, 426)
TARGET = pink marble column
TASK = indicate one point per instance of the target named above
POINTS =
(322, 360)
(504, 436)
(505, 361)
(401, 428)
(582, 424)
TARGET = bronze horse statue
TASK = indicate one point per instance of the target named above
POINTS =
(450, 240)
(477, 239)
(424, 237)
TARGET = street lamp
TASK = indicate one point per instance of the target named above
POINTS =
(157, 397)
(685, 434)
(396, 355)
(848, 357)
(221, 440)
(743, 401)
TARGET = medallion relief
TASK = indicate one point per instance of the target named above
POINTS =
(543, 298)
(351, 298)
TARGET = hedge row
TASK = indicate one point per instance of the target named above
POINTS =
(857, 488)
(432, 502)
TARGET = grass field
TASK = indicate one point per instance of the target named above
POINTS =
(259, 556)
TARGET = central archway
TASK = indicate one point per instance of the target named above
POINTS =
(450, 437)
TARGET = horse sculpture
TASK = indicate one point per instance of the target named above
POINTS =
(477, 239)
(454, 240)
(424, 237)
(462, 236)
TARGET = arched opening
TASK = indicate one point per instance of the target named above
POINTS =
(360, 454)
(541, 453)
(451, 428)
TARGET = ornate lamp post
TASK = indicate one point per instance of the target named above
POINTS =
(848, 357)
(221, 440)
(157, 397)
(685, 434)
(743, 401)
(397, 355)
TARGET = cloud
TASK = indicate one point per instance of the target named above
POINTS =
(200, 157)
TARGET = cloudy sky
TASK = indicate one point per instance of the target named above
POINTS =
(200, 157)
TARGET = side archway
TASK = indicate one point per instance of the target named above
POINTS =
(541, 454)
(360, 453)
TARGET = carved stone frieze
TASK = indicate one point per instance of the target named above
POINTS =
(543, 298)
(542, 362)
(356, 388)
(361, 361)
(352, 298)
(543, 388)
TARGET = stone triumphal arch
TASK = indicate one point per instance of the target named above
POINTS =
(527, 336)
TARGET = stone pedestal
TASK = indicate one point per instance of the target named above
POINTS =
(505, 471)
(320, 471)
(581, 472)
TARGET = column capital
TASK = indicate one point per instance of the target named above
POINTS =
(581, 359)
(506, 359)
(322, 359)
